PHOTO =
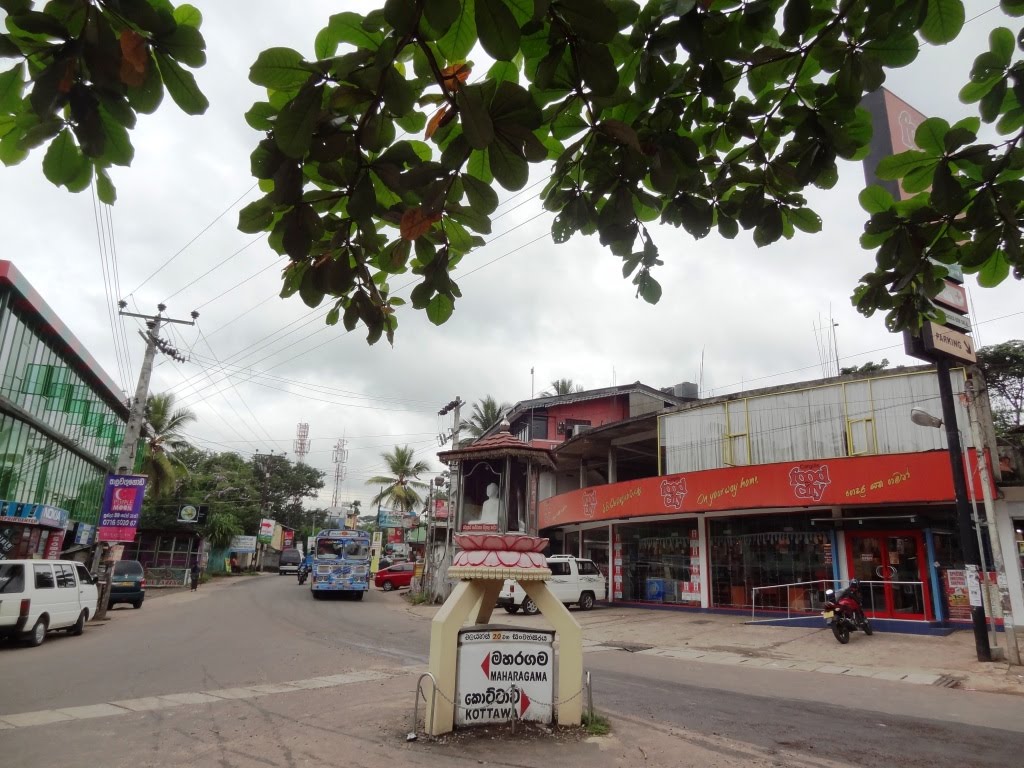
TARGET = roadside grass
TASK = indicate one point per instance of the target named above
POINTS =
(595, 724)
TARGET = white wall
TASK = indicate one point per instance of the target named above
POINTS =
(810, 423)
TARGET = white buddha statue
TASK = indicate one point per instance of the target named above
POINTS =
(491, 510)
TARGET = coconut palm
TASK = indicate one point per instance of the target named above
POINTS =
(398, 488)
(164, 437)
(562, 387)
(486, 414)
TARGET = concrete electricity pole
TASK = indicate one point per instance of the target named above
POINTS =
(137, 416)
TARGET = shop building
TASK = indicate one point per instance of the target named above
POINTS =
(798, 485)
(61, 424)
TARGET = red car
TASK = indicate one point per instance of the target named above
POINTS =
(395, 576)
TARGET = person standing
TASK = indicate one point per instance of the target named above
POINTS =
(195, 576)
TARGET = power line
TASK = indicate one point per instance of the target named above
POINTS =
(202, 232)
(217, 266)
(107, 292)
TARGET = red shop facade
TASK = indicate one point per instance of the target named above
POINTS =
(725, 538)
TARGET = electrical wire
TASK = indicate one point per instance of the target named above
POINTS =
(202, 232)
(217, 266)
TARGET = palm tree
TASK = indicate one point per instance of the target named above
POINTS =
(562, 387)
(486, 414)
(164, 437)
(398, 488)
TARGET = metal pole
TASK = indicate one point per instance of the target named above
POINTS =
(1012, 651)
(985, 601)
(963, 512)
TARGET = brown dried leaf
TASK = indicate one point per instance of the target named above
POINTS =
(455, 74)
(416, 222)
(435, 122)
(134, 58)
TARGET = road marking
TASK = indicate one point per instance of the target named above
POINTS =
(170, 700)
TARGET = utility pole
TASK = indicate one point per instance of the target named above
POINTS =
(137, 417)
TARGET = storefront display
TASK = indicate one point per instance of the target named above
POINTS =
(767, 552)
(660, 563)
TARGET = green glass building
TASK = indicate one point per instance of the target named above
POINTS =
(61, 424)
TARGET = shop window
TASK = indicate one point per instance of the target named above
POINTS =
(657, 563)
(768, 552)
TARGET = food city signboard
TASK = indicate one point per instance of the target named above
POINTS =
(897, 478)
(504, 674)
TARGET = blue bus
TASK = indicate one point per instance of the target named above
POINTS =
(341, 563)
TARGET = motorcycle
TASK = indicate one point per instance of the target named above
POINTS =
(844, 616)
(303, 572)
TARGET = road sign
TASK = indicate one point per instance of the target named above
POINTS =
(938, 341)
(953, 296)
(957, 322)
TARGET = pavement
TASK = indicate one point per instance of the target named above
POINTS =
(730, 639)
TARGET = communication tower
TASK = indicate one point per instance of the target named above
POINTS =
(339, 458)
(302, 441)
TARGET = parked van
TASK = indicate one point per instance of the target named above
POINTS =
(41, 595)
(573, 581)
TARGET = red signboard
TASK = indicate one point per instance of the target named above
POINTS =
(289, 539)
(857, 481)
(53, 544)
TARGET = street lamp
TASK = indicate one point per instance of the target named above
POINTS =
(972, 550)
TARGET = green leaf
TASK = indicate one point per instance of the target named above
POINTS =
(975, 90)
(261, 116)
(501, 71)
(894, 51)
(497, 28)
(994, 271)
(510, 169)
(11, 84)
(875, 199)
(1001, 43)
(476, 123)
(943, 22)
(898, 166)
(280, 69)
(647, 287)
(348, 28)
(188, 15)
(441, 14)
(63, 161)
(186, 44)
(256, 217)
(479, 166)
(181, 85)
(481, 196)
(805, 220)
(105, 190)
(930, 135)
(590, 19)
(117, 149)
(146, 98)
(440, 309)
(293, 129)
(460, 38)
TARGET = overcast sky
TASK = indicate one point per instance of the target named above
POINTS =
(563, 310)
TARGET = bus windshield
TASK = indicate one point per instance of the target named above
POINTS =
(340, 549)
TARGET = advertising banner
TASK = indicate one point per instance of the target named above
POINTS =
(391, 518)
(242, 544)
(289, 539)
(504, 674)
(122, 501)
(33, 514)
(54, 542)
(898, 478)
(266, 531)
(85, 534)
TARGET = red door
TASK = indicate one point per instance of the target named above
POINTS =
(892, 567)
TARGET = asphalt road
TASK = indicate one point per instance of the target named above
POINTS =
(269, 630)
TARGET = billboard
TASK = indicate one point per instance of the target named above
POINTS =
(266, 531)
(122, 501)
(893, 123)
(391, 518)
(242, 544)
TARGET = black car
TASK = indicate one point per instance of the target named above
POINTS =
(128, 583)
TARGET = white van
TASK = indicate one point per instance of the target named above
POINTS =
(39, 595)
(573, 580)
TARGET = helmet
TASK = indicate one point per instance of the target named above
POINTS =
(854, 584)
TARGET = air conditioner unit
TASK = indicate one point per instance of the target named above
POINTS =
(579, 429)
